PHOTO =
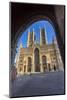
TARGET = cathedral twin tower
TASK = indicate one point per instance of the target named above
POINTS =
(32, 37)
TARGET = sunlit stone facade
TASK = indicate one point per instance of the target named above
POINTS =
(38, 57)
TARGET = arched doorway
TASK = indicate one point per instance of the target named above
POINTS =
(24, 68)
(44, 63)
(49, 67)
(36, 60)
(29, 64)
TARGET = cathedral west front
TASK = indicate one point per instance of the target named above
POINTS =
(38, 57)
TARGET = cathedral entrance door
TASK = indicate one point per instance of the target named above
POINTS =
(24, 68)
(36, 60)
(29, 64)
(44, 63)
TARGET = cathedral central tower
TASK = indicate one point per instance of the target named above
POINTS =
(42, 36)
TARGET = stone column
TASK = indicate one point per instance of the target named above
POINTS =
(33, 65)
(26, 65)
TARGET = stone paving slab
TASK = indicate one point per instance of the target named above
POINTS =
(51, 83)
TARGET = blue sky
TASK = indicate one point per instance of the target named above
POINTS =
(50, 33)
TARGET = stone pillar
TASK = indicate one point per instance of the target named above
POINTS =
(12, 55)
(33, 65)
(26, 65)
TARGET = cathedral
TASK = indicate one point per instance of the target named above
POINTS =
(38, 57)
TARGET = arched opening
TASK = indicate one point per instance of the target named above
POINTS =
(34, 16)
(36, 60)
(37, 18)
(49, 67)
(24, 68)
(40, 34)
(44, 63)
(29, 64)
(55, 68)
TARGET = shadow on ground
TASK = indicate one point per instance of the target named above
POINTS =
(51, 83)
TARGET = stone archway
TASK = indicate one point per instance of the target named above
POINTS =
(22, 20)
(36, 60)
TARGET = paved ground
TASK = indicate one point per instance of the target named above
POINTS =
(39, 84)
